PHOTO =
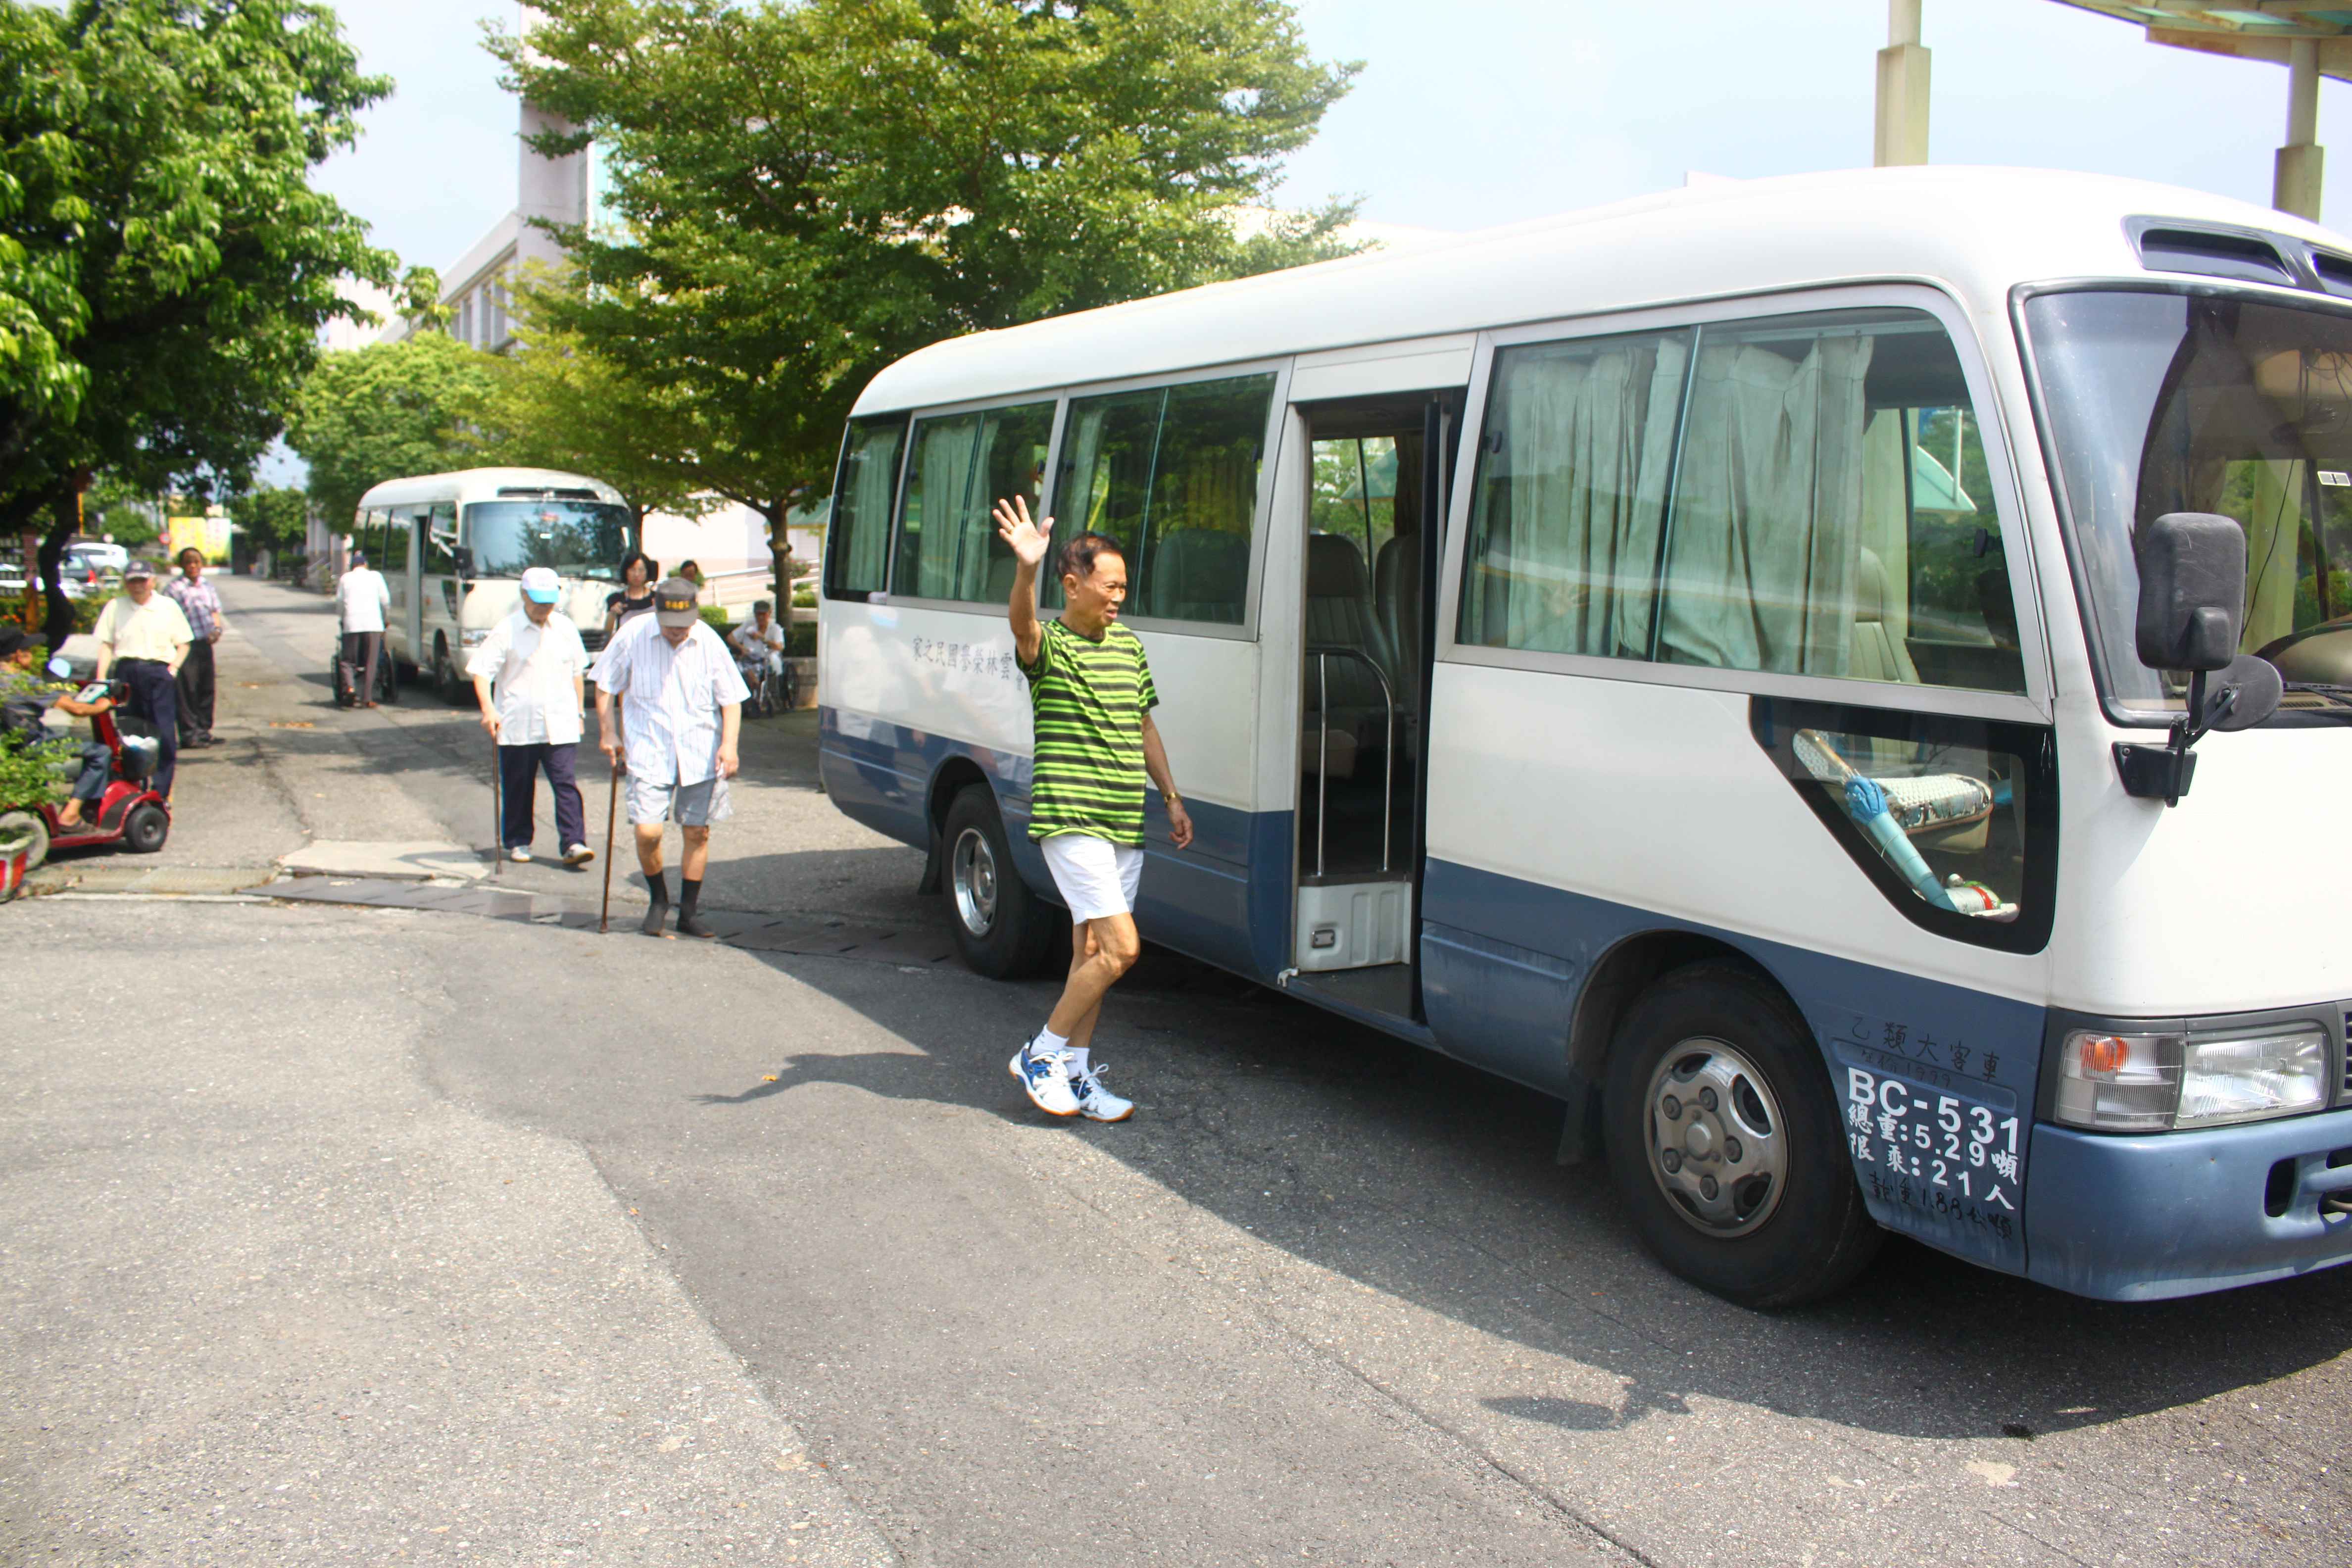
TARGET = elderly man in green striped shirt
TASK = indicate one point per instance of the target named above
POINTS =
(1090, 692)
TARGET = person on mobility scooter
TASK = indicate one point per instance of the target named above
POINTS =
(110, 800)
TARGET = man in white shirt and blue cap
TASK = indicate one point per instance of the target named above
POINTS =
(527, 677)
(680, 711)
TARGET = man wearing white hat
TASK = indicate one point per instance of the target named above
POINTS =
(527, 677)
(680, 714)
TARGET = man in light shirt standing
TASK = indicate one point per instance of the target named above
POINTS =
(361, 597)
(681, 704)
(527, 677)
(143, 636)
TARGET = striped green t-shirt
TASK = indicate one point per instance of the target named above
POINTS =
(1089, 698)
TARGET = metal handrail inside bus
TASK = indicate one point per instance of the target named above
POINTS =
(1323, 657)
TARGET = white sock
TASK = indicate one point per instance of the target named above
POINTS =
(1077, 1054)
(1047, 1043)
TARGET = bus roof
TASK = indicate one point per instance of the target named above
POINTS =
(1978, 230)
(467, 484)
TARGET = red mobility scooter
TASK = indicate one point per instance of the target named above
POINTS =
(130, 812)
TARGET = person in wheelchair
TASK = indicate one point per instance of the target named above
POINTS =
(25, 698)
(760, 642)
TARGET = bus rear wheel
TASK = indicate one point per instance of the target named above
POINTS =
(1725, 1145)
(1002, 929)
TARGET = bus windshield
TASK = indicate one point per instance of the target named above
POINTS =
(577, 538)
(2166, 401)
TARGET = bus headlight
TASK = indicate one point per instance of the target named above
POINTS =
(2159, 1082)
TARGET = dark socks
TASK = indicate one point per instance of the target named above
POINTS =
(658, 885)
(689, 923)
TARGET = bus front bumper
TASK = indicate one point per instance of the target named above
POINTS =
(2141, 1217)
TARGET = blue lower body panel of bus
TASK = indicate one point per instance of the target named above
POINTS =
(2141, 1217)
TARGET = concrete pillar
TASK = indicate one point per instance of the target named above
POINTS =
(1901, 134)
(2294, 177)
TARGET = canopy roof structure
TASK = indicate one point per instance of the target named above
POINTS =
(2251, 30)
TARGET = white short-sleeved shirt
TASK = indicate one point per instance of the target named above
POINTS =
(670, 699)
(361, 597)
(747, 637)
(152, 630)
(532, 670)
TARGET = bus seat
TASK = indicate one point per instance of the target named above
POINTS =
(1340, 617)
(1197, 574)
(1396, 588)
(1876, 656)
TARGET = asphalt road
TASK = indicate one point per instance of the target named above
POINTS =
(1326, 1298)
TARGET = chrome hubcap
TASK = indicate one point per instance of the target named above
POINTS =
(1716, 1146)
(972, 867)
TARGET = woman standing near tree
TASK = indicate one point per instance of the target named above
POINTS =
(636, 591)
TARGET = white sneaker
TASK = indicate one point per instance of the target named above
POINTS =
(1046, 1076)
(579, 855)
(1096, 1100)
(519, 854)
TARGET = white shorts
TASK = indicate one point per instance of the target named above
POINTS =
(1096, 878)
(690, 806)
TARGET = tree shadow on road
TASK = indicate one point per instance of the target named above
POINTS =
(1435, 1182)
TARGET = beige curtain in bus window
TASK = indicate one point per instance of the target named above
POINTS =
(861, 522)
(929, 528)
(1588, 440)
(1768, 508)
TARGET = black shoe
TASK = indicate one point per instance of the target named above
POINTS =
(653, 921)
(691, 925)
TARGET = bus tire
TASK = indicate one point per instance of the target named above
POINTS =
(1726, 1143)
(454, 687)
(1002, 929)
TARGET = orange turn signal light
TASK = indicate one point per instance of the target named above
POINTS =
(2102, 1054)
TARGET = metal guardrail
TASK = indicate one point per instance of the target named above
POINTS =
(1323, 658)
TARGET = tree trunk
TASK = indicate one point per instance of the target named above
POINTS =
(65, 518)
(780, 546)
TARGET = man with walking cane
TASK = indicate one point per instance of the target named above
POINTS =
(527, 677)
(681, 702)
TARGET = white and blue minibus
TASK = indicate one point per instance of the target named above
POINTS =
(1845, 681)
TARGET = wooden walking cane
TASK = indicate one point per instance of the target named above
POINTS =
(611, 808)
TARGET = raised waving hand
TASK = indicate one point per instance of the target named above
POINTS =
(1028, 542)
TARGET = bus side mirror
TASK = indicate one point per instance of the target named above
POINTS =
(461, 560)
(2192, 599)
(2192, 591)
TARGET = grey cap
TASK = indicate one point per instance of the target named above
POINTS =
(137, 569)
(674, 602)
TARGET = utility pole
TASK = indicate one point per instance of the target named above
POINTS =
(2295, 176)
(1901, 133)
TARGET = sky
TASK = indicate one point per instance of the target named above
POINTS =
(1484, 111)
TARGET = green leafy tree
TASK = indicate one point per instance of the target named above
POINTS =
(385, 411)
(120, 512)
(276, 517)
(555, 403)
(805, 191)
(164, 263)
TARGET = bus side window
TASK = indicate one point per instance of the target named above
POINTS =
(1172, 475)
(960, 465)
(442, 537)
(1570, 495)
(857, 537)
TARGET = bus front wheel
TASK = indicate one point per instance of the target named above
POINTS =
(1725, 1143)
(1002, 929)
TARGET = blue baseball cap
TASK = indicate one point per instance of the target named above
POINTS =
(538, 585)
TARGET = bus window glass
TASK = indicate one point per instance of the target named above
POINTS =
(576, 538)
(857, 538)
(1355, 490)
(1800, 497)
(396, 540)
(1570, 495)
(2161, 402)
(1172, 474)
(961, 466)
(1106, 483)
